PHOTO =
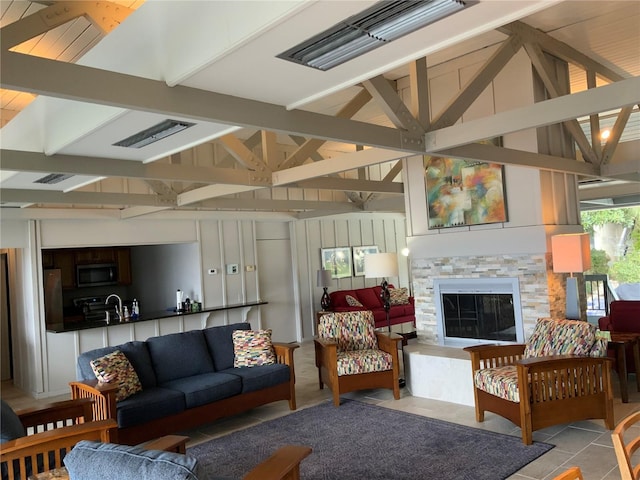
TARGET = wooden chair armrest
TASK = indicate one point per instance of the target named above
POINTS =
(493, 355)
(94, 386)
(284, 352)
(102, 394)
(326, 342)
(103, 430)
(168, 443)
(388, 342)
(556, 362)
(80, 410)
(283, 464)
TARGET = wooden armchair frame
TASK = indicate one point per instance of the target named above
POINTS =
(56, 428)
(552, 390)
(574, 473)
(284, 464)
(625, 448)
(103, 396)
(327, 363)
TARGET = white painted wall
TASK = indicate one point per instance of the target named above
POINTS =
(535, 200)
(286, 262)
(388, 232)
(277, 282)
(165, 268)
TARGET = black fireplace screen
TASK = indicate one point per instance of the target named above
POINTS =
(481, 316)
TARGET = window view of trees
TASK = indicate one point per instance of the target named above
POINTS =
(615, 236)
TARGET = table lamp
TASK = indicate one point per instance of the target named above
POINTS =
(571, 254)
(382, 265)
(324, 281)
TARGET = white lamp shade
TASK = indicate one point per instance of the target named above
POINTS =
(324, 278)
(381, 265)
(571, 253)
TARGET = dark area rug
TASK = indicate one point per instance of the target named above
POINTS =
(362, 441)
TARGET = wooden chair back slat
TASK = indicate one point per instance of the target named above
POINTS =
(625, 447)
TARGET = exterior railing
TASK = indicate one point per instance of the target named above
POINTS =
(599, 295)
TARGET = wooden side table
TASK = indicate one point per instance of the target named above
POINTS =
(619, 342)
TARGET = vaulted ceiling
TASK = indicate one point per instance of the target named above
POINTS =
(272, 136)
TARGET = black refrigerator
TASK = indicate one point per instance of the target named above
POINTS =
(53, 313)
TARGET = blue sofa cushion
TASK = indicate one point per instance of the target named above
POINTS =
(220, 343)
(10, 425)
(83, 363)
(11, 428)
(263, 376)
(179, 355)
(206, 388)
(107, 461)
(136, 352)
(149, 404)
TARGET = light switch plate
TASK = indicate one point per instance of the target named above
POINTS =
(232, 268)
(249, 268)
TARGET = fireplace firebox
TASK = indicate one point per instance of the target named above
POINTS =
(478, 311)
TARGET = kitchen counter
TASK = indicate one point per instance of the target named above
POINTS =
(147, 316)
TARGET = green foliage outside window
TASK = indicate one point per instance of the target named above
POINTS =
(626, 267)
(599, 263)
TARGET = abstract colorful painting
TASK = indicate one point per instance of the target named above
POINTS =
(461, 192)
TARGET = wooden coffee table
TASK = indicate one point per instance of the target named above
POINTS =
(619, 342)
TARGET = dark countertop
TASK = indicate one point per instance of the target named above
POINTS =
(147, 316)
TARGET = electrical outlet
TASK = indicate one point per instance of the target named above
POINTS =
(249, 268)
(232, 269)
(213, 271)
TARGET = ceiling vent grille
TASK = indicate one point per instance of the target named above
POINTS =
(53, 178)
(381, 23)
(153, 134)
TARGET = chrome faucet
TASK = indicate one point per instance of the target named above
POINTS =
(119, 308)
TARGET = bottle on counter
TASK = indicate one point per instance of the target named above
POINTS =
(126, 313)
(187, 305)
(178, 300)
(135, 309)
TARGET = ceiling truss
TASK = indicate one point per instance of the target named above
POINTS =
(247, 167)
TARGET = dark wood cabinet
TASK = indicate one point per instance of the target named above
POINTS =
(95, 255)
(123, 259)
(65, 261)
(47, 259)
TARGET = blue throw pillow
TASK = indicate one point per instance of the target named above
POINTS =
(107, 461)
(10, 425)
(10, 429)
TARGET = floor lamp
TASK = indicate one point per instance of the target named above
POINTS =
(383, 265)
(571, 254)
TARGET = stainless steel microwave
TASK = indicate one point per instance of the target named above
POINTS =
(96, 275)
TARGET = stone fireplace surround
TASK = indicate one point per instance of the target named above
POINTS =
(540, 289)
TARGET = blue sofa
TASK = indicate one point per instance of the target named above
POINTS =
(187, 379)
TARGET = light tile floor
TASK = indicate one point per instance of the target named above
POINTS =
(584, 444)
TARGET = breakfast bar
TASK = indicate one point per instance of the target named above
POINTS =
(158, 315)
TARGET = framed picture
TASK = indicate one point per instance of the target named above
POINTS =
(358, 258)
(337, 260)
(461, 192)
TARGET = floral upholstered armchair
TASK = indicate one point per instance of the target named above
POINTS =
(351, 355)
(560, 375)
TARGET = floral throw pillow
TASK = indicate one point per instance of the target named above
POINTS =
(115, 368)
(252, 348)
(398, 296)
(352, 302)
